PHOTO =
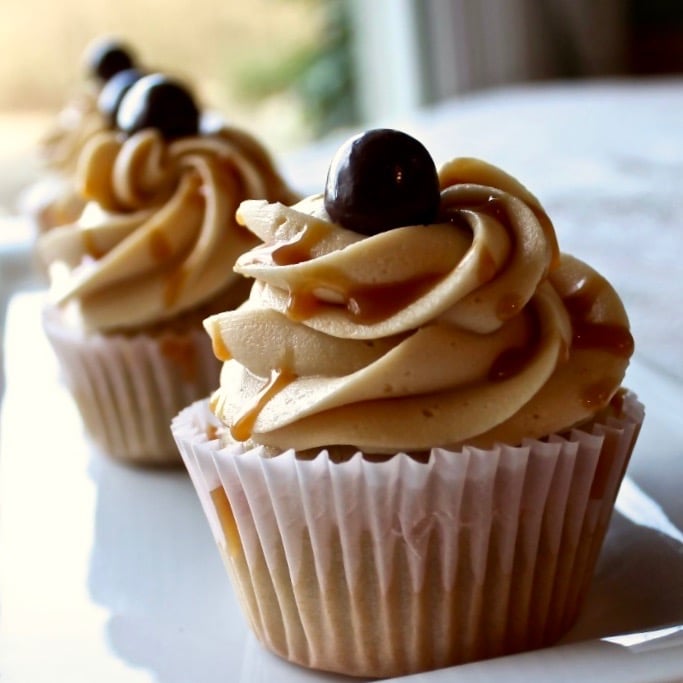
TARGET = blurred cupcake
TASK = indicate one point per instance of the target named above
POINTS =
(54, 199)
(420, 429)
(150, 256)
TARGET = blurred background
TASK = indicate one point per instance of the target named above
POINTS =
(293, 71)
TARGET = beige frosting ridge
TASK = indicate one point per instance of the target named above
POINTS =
(473, 329)
(158, 234)
(75, 124)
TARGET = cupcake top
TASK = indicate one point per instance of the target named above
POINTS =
(158, 235)
(81, 118)
(406, 309)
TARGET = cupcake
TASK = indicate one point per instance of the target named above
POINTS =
(54, 199)
(148, 259)
(413, 454)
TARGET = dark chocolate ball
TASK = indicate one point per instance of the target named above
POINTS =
(161, 102)
(106, 57)
(382, 179)
(113, 91)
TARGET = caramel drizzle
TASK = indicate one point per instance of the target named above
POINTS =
(227, 520)
(364, 304)
(495, 208)
(243, 426)
(90, 246)
(513, 360)
(608, 337)
(159, 246)
(509, 306)
(597, 395)
(509, 363)
(220, 348)
(612, 338)
(300, 248)
(492, 206)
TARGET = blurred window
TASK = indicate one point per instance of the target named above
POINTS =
(279, 68)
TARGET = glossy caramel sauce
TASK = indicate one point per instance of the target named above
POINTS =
(613, 338)
(243, 425)
(227, 520)
(373, 303)
(302, 305)
(220, 348)
(495, 208)
(492, 206)
(607, 337)
(214, 400)
(508, 306)
(89, 245)
(510, 362)
(301, 247)
(580, 302)
(364, 304)
(298, 249)
(159, 246)
(598, 395)
(513, 360)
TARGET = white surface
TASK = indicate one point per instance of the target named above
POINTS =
(16, 268)
(110, 574)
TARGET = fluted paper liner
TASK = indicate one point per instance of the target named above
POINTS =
(128, 388)
(383, 569)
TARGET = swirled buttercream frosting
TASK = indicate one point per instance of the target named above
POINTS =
(81, 117)
(158, 234)
(77, 122)
(472, 329)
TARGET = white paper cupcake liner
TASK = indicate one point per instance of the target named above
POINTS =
(383, 569)
(128, 388)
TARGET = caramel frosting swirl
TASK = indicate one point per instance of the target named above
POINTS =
(473, 329)
(77, 122)
(158, 234)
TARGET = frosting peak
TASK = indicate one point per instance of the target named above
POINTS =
(159, 227)
(472, 329)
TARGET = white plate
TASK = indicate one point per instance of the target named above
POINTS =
(110, 574)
